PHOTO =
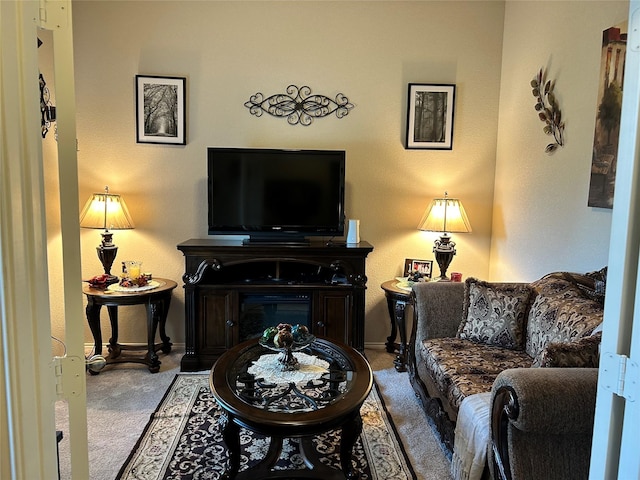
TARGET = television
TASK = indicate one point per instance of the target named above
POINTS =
(276, 195)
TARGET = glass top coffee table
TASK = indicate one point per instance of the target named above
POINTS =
(324, 393)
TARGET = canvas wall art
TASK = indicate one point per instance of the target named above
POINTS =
(609, 107)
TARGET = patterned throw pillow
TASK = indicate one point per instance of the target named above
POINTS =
(559, 314)
(582, 353)
(494, 313)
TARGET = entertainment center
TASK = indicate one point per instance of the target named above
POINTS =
(233, 290)
(284, 204)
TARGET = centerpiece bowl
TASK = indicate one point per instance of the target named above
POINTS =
(286, 340)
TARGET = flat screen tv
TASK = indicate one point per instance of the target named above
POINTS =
(276, 196)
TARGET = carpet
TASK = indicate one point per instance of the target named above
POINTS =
(183, 441)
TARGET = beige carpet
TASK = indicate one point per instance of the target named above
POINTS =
(121, 399)
(424, 450)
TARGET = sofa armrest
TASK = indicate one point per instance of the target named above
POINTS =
(545, 412)
(437, 313)
(553, 400)
(438, 308)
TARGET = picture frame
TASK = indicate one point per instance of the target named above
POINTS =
(430, 109)
(160, 109)
(606, 135)
(411, 265)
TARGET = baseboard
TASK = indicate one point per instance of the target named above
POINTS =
(88, 347)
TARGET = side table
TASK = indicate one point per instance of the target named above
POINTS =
(156, 302)
(397, 301)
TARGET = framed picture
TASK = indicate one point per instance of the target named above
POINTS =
(423, 267)
(430, 116)
(604, 157)
(160, 110)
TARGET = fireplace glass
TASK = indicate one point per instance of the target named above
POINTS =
(259, 311)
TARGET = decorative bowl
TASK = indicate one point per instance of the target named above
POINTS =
(295, 347)
(286, 358)
(101, 282)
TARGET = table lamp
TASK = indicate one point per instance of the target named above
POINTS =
(445, 215)
(109, 212)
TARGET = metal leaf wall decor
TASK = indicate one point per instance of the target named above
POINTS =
(548, 110)
(298, 105)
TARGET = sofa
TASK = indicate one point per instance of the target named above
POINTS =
(527, 353)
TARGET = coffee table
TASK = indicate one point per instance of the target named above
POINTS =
(337, 380)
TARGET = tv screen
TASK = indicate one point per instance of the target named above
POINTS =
(276, 195)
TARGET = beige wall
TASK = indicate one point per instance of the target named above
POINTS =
(541, 219)
(369, 51)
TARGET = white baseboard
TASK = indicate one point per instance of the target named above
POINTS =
(88, 347)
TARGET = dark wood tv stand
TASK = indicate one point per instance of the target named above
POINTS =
(220, 273)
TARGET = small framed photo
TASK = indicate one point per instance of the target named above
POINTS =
(430, 116)
(160, 110)
(413, 266)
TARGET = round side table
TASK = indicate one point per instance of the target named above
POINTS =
(397, 301)
(156, 302)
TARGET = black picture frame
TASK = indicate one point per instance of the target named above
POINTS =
(424, 267)
(430, 109)
(161, 110)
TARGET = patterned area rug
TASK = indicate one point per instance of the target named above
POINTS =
(183, 441)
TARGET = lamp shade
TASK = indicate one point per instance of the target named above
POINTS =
(107, 211)
(445, 215)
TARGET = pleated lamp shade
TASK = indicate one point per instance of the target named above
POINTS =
(445, 215)
(107, 211)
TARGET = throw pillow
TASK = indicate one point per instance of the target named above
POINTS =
(559, 314)
(494, 313)
(582, 353)
(591, 285)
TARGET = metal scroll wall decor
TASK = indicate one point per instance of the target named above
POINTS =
(47, 110)
(548, 110)
(298, 105)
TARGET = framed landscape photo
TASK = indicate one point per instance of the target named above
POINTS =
(423, 267)
(430, 116)
(160, 110)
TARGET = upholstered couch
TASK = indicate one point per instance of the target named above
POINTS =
(531, 350)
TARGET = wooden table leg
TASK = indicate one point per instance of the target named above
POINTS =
(399, 317)
(153, 316)
(93, 317)
(231, 437)
(114, 347)
(351, 430)
(166, 341)
(391, 339)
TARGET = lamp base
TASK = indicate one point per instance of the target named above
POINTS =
(444, 250)
(107, 254)
(441, 279)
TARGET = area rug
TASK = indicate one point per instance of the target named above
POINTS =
(183, 441)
